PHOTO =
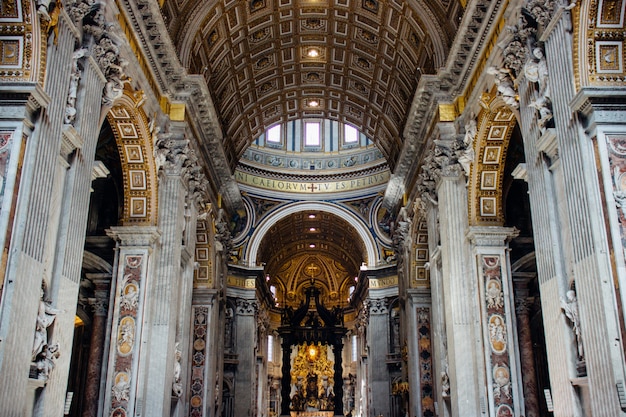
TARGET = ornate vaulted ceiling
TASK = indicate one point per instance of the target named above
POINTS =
(268, 61)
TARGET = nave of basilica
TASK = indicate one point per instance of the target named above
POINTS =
(312, 208)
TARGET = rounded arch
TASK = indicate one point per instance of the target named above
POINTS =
(496, 123)
(252, 250)
(133, 137)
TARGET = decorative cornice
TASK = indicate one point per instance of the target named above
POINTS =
(141, 236)
(146, 20)
(491, 235)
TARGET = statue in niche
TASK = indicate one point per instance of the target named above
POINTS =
(46, 360)
(177, 385)
(569, 305)
(45, 318)
(445, 385)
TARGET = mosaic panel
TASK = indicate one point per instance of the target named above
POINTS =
(10, 11)
(609, 57)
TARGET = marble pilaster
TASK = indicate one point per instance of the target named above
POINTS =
(134, 258)
(592, 268)
(205, 349)
(464, 358)
(502, 370)
(165, 291)
(378, 347)
(246, 337)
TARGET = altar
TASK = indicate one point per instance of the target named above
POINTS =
(312, 414)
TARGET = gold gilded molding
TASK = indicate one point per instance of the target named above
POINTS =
(421, 256)
(311, 187)
(447, 112)
(378, 283)
(239, 282)
(21, 33)
(129, 126)
(203, 274)
(598, 28)
(495, 126)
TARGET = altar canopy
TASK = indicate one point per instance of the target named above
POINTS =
(314, 384)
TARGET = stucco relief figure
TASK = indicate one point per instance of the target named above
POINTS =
(129, 298)
(501, 383)
(504, 84)
(126, 336)
(569, 305)
(43, 7)
(75, 75)
(468, 155)
(494, 295)
(620, 192)
(45, 318)
(497, 333)
(121, 388)
(536, 71)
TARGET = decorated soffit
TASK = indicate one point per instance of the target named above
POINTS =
(268, 61)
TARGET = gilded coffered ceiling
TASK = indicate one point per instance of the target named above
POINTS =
(355, 61)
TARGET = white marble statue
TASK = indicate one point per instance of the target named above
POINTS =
(45, 318)
(46, 360)
(569, 305)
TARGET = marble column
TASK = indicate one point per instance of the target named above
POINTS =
(527, 359)
(100, 305)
